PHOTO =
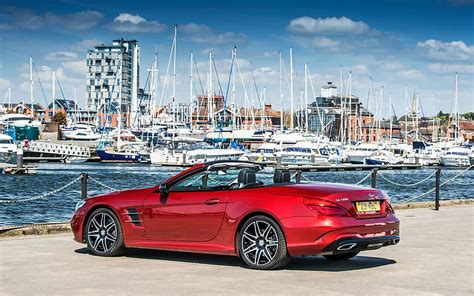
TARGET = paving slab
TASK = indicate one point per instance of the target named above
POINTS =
(435, 257)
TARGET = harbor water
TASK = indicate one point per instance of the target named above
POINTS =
(60, 206)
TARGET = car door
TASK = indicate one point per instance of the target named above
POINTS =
(192, 210)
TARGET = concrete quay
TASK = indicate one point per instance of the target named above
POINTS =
(435, 257)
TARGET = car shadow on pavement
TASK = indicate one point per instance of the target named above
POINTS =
(319, 263)
(316, 263)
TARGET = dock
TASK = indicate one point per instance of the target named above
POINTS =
(12, 169)
(429, 260)
(348, 167)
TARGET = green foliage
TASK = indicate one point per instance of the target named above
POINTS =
(60, 118)
(469, 115)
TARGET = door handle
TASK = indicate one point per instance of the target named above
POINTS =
(212, 201)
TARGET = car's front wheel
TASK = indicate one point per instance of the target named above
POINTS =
(261, 244)
(103, 233)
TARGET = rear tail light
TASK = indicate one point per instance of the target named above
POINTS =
(323, 207)
(388, 208)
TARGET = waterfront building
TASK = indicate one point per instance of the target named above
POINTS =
(113, 79)
(325, 115)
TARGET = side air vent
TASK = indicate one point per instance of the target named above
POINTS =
(134, 216)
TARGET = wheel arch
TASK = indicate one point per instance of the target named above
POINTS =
(247, 217)
(89, 213)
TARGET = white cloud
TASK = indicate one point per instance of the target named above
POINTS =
(324, 43)
(441, 68)
(4, 84)
(86, 44)
(130, 23)
(446, 51)
(77, 67)
(360, 68)
(330, 25)
(393, 66)
(204, 34)
(61, 56)
(20, 18)
(410, 74)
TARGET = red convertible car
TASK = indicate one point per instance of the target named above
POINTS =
(223, 207)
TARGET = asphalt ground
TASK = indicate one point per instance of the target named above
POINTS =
(435, 256)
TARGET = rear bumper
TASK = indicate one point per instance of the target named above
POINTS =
(313, 235)
(356, 244)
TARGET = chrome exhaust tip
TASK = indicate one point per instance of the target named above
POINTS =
(396, 241)
(346, 247)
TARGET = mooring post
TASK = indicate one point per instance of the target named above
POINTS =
(298, 177)
(437, 185)
(84, 185)
(278, 161)
(374, 178)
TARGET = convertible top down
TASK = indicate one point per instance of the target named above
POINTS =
(238, 208)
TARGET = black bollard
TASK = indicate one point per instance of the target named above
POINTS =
(298, 177)
(374, 178)
(84, 186)
(437, 185)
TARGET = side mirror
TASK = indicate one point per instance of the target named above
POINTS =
(164, 189)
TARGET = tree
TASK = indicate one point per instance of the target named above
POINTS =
(469, 115)
(60, 118)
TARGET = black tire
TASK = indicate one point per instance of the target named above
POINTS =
(103, 233)
(340, 257)
(264, 248)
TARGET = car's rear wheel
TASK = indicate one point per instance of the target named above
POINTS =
(103, 233)
(261, 244)
(340, 257)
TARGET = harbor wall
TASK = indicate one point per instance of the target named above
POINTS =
(62, 227)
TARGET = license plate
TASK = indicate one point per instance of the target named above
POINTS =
(367, 206)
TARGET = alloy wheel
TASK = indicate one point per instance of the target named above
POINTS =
(259, 243)
(102, 232)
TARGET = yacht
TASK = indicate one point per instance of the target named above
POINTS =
(80, 132)
(121, 146)
(305, 152)
(265, 153)
(17, 119)
(358, 154)
(187, 154)
(7, 145)
(456, 157)
(383, 157)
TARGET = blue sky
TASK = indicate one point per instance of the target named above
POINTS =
(420, 44)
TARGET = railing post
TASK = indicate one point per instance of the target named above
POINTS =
(84, 185)
(374, 178)
(278, 161)
(298, 177)
(437, 185)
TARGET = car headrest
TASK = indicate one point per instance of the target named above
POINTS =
(247, 176)
(281, 176)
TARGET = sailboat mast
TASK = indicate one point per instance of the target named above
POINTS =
(54, 93)
(291, 90)
(456, 107)
(191, 99)
(343, 111)
(281, 95)
(306, 127)
(210, 103)
(234, 107)
(350, 109)
(262, 113)
(406, 115)
(31, 87)
(174, 78)
(390, 112)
